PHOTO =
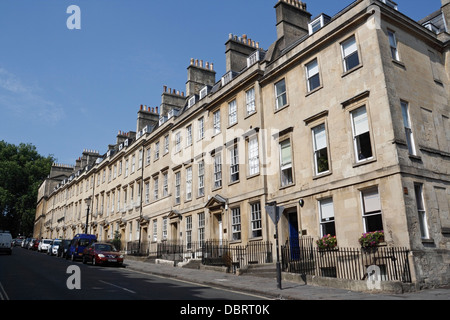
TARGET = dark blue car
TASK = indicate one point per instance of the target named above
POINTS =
(77, 245)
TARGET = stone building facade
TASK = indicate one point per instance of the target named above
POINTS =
(343, 121)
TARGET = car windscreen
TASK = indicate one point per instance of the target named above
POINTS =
(84, 242)
(104, 247)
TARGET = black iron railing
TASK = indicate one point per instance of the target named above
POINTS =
(303, 257)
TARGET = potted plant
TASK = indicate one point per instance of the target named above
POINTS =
(371, 239)
(327, 242)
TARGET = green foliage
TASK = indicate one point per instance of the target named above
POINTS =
(22, 171)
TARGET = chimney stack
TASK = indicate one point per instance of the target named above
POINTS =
(237, 50)
(146, 116)
(199, 75)
(292, 20)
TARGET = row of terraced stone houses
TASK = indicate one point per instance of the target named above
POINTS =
(346, 115)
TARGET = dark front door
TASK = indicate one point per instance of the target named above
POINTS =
(293, 235)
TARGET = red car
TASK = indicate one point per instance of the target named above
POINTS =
(102, 253)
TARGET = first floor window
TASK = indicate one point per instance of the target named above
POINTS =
(320, 149)
(361, 134)
(189, 232)
(253, 156)
(327, 217)
(234, 164)
(250, 101)
(236, 224)
(256, 223)
(418, 191)
(189, 183)
(286, 163)
(408, 129)
(393, 45)
(155, 188)
(177, 187)
(217, 170)
(371, 210)
(165, 184)
(312, 74)
(201, 178)
(201, 228)
(232, 113)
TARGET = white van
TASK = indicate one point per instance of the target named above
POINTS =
(5, 242)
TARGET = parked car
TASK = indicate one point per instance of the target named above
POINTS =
(100, 253)
(17, 242)
(6, 242)
(44, 244)
(53, 249)
(34, 245)
(63, 247)
(78, 244)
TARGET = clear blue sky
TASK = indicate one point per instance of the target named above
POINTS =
(67, 90)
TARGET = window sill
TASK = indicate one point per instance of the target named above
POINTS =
(314, 91)
(253, 176)
(234, 182)
(351, 70)
(399, 64)
(364, 162)
(250, 114)
(287, 186)
(281, 108)
(415, 157)
(321, 175)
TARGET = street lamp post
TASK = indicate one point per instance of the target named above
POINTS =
(88, 204)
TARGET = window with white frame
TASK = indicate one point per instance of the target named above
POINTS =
(155, 230)
(189, 183)
(155, 188)
(312, 75)
(236, 224)
(361, 134)
(250, 101)
(256, 222)
(201, 228)
(253, 155)
(234, 163)
(177, 187)
(232, 113)
(320, 149)
(350, 54)
(408, 129)
(286, 163)
(118, 199)
(188, 135)
(148, 157)
(201, 178)
(178, 142)
(157, 150)
(418, 191)
(217, 170)
(201, 128)
(188, 232)
(280, 94)
(216, 122)
(393, 45)
(140, 158)
(120, 167)
(371, 208)
(164, 229)
(326, 211)
(133, 163)
(126, 167)
(165, 184)
(166, 144)
(147, 192)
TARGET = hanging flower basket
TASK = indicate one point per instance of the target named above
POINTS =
(371, 239)
(327, 242)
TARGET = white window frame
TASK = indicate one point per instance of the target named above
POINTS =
(312, 72)
(234, 163)
(201, 229)
(253, 155)
(218, 170)
(320, 147)
(358, 131)
(371, 198)
(393, 44)
(216, 122)
(189, 183)
(285, 178)
(250, 101)
(256, 220)
(165, 184)
(201, 128)
(232, 112)
(349, 47)
(188, 135)
(188, 232)
(410, 142)
(421, 211)
(178, 187)
(280, 94)
(236, 226)
(326, 215)
(201, 178)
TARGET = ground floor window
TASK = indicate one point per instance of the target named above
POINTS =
(371, 210)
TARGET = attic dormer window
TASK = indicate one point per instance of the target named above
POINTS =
(318, 23)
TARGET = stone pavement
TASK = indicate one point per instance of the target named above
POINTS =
(267, 287)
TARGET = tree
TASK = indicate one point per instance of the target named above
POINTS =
(22, 171)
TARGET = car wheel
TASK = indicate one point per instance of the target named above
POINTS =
(72, 257)
(93, 261)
